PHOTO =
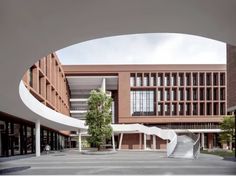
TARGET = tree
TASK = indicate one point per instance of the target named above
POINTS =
(99, 117)
(228, 128)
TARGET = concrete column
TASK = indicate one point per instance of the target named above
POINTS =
(37, 138)
(154, 142)
(79, 142)
(140, 141)
(120, 142)
(103, 86)
(202, 137)
(113, 142)
(210, 140)
(144, 141)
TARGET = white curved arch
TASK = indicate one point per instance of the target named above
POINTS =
(46, 113)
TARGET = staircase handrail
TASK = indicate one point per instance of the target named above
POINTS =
(172, 144)
(196, 147)
(196, 144)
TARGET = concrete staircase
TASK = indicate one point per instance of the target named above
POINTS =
(184, 147)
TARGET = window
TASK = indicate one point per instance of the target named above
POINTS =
(195, 80)
(195, 109)
(215, 79)
(132, 79)
(202, 95)
(202, 79)
(152, 80)
(31, 77)
(146, 80)
(139, 80)
(222, 79)
(188, 94)
(208, 79)
(195, 94)
(160, 79)
(167, 95)
(142, 102)
(222, 94)
(188, 79)
(181, 109)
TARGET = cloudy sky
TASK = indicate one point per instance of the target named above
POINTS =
(146, 49)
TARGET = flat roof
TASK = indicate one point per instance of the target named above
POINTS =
(76, 69)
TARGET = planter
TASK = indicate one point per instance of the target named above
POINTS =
(95, 152)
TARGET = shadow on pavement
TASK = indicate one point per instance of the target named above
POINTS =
(13, 169)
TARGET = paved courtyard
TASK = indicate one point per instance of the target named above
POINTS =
(123, 162)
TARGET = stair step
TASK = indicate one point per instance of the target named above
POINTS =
(184, 147)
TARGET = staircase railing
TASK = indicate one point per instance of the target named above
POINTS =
(196, 144)
(166, 134)
(196, 147)
(172, 144)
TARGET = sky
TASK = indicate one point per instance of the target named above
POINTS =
(156, 48)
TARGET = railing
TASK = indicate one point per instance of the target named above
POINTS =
(196, 147)
(172, 144)
(196, 144)
(166, 134)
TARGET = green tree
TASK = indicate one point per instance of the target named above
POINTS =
(98, 118)
(228, 128)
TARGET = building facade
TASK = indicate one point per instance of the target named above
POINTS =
(186, 98)
(180, 97)
(46, 81)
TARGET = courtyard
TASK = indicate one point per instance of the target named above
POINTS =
(120, 163)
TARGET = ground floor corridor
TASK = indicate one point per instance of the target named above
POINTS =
(122, 162)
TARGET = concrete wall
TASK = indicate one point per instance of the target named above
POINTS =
(231, 77)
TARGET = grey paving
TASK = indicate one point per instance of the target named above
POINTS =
(122, 162)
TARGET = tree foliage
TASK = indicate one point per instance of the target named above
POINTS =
(228, 128)
(98, 118)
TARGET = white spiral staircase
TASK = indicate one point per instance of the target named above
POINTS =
(177, 146)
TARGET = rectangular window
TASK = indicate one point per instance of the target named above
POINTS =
(152, 80)
(142, 102)
(31, 77)
(188, 109)
(181, 109)
(195, 109)
(139, 80)
(208, 93)
(208, 79)
(181, 79)
(188, 79)
(174, 109)
(160, 109)
(215, 79)
(188, 94)
(195, 97)
(174, 79)
(160, 79)
(202, 79)
(222, 79)
(146, 80)
(195, 79)
(222, 93)
(202, 94)
(132, 80)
